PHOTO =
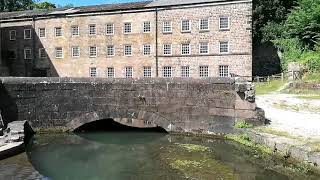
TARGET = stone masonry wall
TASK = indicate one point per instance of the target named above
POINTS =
(178, 105)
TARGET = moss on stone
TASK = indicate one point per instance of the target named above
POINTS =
(193, 147)
(243, 125)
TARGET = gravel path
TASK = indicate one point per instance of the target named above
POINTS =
(296, 116)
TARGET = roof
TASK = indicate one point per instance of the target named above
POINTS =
(101, 8)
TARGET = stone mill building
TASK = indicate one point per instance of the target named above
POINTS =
(160, 38)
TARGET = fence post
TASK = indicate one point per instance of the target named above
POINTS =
(268, 80)
(282, 77)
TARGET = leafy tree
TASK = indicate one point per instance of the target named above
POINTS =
(15, 5)
(44, 5)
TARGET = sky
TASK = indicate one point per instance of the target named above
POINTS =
(86, 2)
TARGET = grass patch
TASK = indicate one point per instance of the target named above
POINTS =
(311, 78)
(243, 125)
(268, 87)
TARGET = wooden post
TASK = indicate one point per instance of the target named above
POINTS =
(282, 77)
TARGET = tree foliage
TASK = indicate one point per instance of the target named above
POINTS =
(20, 5)
(44, 5)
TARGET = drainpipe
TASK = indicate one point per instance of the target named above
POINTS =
(33, 44)
(157, 62)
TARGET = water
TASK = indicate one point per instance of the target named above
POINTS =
(141, 156)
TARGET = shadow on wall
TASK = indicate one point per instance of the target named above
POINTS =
(23, 55)
(8, 107)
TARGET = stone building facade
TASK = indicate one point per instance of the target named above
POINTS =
(162, 38)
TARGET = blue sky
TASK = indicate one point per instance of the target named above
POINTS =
(86, 2)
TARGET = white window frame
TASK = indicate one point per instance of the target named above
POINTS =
(220, 47)
(144, 27)
(10, 35)
(113, 72)
(147, 71)
(126, 71)
(125, 50)
(25, 53)
(124, 28)
(45, 32)
(181, 49)
(200, 29)
(189, 28)
(55, 32)
(164, 27)
(222, 74)
(96, 54)
(72, 30)
(167, 71)
(109, 34)
(40, 53)
(185, 71)
(224, 28)
(145, 48)
(202, 73)
(113, 50)
(94, 28)
(95, 72)
(72, 51)
(25, 34)
(163, 49)
(208, 47)
(55, 51)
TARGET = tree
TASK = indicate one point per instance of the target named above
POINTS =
(44, 5)
(15, 5)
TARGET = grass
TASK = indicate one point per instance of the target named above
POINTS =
(243, 125)
(268, 87)
(311, 78)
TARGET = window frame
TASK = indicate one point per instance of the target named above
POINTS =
(113, 72)
(144, 50)
(189, 27)
(72, 31)
(25, 34)
(228, 47)
(208, 48)
(55, 50)
(189, 49)
(144, 27)
(163, 27)
(202, 73)
(224, 28)
(25, 53)
(125, 50)
(126, 71)
(185, 73)
(113, 50)
(223, 73)
(10, 35)
(72, 52)
(95, 29)
(96, 50)
(165, 71)
(163, 49)
(110, 34)
(204, 30)
(124, 28)
(40, 32)
(55, 31)
(91, 72)
(40, 53)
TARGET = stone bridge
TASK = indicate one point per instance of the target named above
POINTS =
(177, 105)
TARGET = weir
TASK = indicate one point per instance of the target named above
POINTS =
(208, 106)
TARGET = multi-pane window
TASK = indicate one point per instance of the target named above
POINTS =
(204, 48)
(27, 53)
(224, 47)
(147, 72)
(110, 51)
(110, 72)
(146, 49)
(167, 26)
(185, 49)
(75, 31)
(224, 71)
(75, 51)
(93, 51)
(27, 34)
(59, 52)
(185, 26)
(127, 50)
(127, 28)
(12, 35)
(204, 71)
(42, 32)
(93, 72)
(58, 31)
(92, 29)
(185, 71)
(167, 49)
(167, 72)
(42, 53)
(224, 23)
(204, 24)
(109, 29)
(129, 72)
(146, 26)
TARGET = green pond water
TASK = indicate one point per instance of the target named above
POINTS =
(142, 156)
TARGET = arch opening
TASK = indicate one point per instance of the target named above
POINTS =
(110, 125)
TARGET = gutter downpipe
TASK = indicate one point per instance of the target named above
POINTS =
(157, 61)
(33, 45)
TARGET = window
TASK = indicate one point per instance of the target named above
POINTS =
(58, 31)
(167, 71)
(185, 26)
(12, 35)
(147, 72)
(204, 71)
(204, 24)
(93, 51)
(185, 49)
(127, 50)
(93, 72)
(224, 47)
(224, 71)
(59, 52)
(185, 71)
(167, 49)
(146, 49)
(75, 51)
(224, 23)
(27, 34)
(42, 32)
(127, 28)
(109, 29)
(27, 53)
(42, 53)
(110, 72)
(129, 72)
(110, 51)
(146, 27)
(92, 30)
(167, 26)
(204, 48)
(75, 31)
